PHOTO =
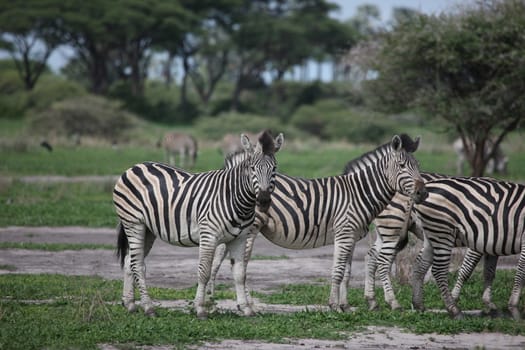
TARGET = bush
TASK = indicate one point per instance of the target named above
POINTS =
(87, 115)
(216, 127)
(333, 119)
(51, 89)
(13, 97)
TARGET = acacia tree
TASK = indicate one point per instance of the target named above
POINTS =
(467, 68)
(27, 33)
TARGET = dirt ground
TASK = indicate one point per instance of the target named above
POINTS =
(175, 267)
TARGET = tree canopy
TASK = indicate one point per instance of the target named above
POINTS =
(467, 68)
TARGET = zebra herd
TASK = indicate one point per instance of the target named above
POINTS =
(222, 211)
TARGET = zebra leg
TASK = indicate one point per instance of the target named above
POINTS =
(237, 249)
(343, 288)
(140, 242)
(440, 268)
(247, 255)
(519, 280)
(220, 254)
(468, 265)
(128, 292)
(342, 254)
(489, 272)
(370, 276)
(423, 263)
(387, 254)
(207, 247)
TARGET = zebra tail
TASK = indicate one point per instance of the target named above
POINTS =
(403, 235)
(403, 240)
(122, 244)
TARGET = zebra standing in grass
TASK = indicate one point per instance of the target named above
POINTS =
(182, 145)
(388, 227)
(337, 210)
(483, 214)
(205, 209)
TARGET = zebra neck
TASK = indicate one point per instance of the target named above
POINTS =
(242, 193)
(372, 189)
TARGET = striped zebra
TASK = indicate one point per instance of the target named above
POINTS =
(182, 145)
(482, 214)
(337, 210)
(205, 209)
(388, 227)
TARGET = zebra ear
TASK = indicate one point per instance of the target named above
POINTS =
(416, 144)
(397, 144)
(246, 144)
(279, 140)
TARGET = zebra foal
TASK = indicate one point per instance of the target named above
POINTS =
(204, 209)
(337, 210)
(483, 214)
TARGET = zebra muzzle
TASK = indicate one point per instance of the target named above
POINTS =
(264, 201)
(421, 193)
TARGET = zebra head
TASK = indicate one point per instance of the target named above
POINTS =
(403, 169)
(263, 165)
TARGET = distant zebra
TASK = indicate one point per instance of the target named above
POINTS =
(181, 145)
(313, 213)
(388, 227)
(205, 209)
(483, 214)
(497, 163)
(230, 143)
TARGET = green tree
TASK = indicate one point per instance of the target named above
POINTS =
(28, 34)
(275, 36)
(467, 68)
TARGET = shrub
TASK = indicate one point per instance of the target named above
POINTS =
(13, 97)
(51, 89)
(87, 115)
(332, 119)
(216, 127)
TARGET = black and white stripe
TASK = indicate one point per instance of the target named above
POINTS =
(206, 209)
(482, 214)
(337, 210)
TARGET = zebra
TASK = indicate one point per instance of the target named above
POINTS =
(483, 214)
(497, 163)
(182, 145)
(230, 143)
(185, 209)
(388, 226)
(337, 210)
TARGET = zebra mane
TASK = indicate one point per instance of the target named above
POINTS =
(267, 143)
(235, 158)
(371, 157)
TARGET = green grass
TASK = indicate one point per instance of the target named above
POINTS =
(83, 312)
(63, 204)
(90, 204)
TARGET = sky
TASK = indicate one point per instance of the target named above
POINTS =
(348, 7)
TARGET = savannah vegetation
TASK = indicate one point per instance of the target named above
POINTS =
(83, 312)
(202, 66)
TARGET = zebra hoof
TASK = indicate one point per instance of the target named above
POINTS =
(419, 308)
(372, 304)
(515, 313)
(345, 308)
(248, 312)
(456, 314)
(334, 307)
(150, 312)
(396, 307)
(131, 307)
(202, 315)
